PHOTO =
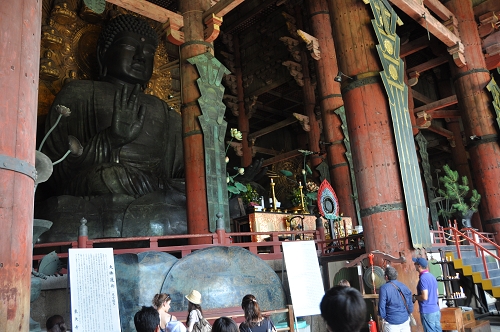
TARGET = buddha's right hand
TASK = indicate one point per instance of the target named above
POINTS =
(128, 117)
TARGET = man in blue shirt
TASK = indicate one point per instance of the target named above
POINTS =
(395, 303)
(427, 297)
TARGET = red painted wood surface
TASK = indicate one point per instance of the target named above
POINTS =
(330, 98)
(194, 158)
(373, 148)
(477, 114)
(20, 23)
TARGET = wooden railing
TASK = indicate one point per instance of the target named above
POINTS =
(442, 236)
(469, 236)
(178, 245)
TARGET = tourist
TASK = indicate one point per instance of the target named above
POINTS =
(224, 324)
(344, 309)
(395, 303)
(55, 324)
(161, 302)
(175, 326)
(427, 297)
(195, 314)
(147, 320)
(254, 321)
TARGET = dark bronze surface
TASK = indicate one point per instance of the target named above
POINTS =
(138, 278)
(132, 145)
(223, 275)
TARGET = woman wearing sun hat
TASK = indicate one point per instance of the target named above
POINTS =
(194, 309)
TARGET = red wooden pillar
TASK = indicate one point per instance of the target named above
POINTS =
(194, 158)
(331, 99)
(374, 155)
(243, 124)
(20, 23)
(478, 119)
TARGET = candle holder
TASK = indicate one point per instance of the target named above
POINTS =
(303, 208)
(273, 208)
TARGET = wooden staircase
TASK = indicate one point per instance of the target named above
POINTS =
(474, 254)
(472, 266)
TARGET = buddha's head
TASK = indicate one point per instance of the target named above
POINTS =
(126, 49)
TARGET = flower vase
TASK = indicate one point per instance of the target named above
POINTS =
(466, 219)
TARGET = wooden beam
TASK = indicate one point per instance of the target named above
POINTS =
(221, 8)
(441, 131)
(285, 96)
(414, 46)
(439, 9)
(436, 28)
(485, 7)
(442, 103)
(444, 114)
(150, 10)
(272, 128)
(281, 157)
(492, 62)
(429, 64)
(270, 152)
(421, 97)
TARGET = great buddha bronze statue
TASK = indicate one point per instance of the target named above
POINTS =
(129, 179)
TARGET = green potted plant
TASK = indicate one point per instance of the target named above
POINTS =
(452, 197)
(251, 197)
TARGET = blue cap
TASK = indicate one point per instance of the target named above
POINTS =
(421, 261)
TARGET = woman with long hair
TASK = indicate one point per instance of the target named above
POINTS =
(195, 314)
(161, 302)
(254, 321)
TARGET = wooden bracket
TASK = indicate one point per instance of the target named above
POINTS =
(488, 24)
(238, 148)
(457, 52)
(295, 70)
(413, 78)
(250, 103)
(452, 25)
(212, 30)
(231, 103)
(424, 120)
(174, 35)
(312, 44)
(304, 121)
(292, 44)
(491, 44)
(231, 83)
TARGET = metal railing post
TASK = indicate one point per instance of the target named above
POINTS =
(83, 234)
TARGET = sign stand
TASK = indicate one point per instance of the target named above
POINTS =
(94, 298)
(304, 277)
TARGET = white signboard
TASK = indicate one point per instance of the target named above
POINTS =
(94, 300)
(304, 277)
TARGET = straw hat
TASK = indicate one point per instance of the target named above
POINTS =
(194, 297)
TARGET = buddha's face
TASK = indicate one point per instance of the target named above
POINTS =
(130, 58)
